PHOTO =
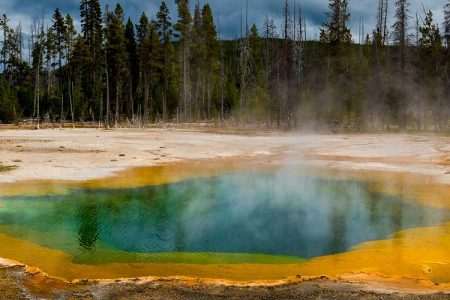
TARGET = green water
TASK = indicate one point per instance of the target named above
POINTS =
(244, 217)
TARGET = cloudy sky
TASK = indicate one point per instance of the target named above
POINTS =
(27, 11)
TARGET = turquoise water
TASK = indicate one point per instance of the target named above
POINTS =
(281, 214)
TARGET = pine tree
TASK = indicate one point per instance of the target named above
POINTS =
(133, 65)
(58, 30)
(92, 30)
(197, 58)
(401, 39)
(430, 44)
(336, 31)
(210, 63)
(91, 25)
(257, 55)
(142, 33)
(116, 56)
(165, 31)
(10, 57)
(11, 50)
(430, 37)
(151, 66)
(142, 29)
(255, 46)
(50, 58)
(197, 19)
(257, 80)
(183, 28)
(70, 37)
(336, 39)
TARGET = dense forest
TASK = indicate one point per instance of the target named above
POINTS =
(119, 73)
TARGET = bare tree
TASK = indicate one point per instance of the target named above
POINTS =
(269, 53)
(38, 47)
(222, 74)
(245, 67)
(382, 16)
(447, 24)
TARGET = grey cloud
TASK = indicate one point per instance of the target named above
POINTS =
(27, 11)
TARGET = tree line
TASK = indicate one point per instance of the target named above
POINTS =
(118, 73)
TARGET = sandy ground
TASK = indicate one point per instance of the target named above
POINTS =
(88, 153)
(83, 154)
(16, 283)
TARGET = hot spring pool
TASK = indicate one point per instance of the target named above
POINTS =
(238, 217)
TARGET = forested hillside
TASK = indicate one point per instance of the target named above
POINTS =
(116, 72)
